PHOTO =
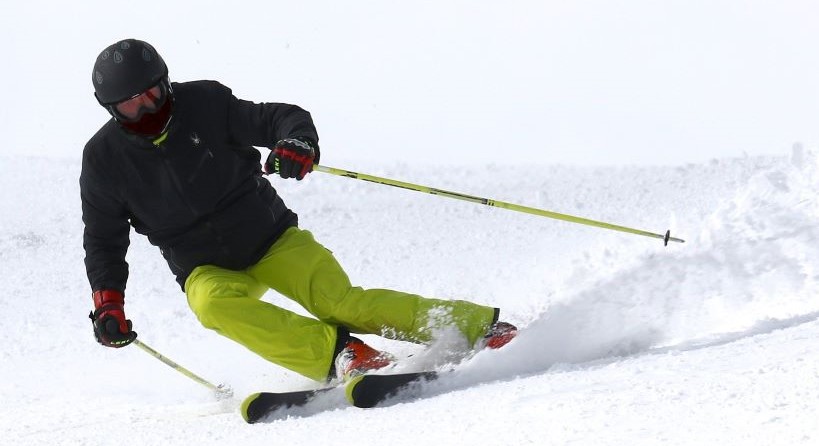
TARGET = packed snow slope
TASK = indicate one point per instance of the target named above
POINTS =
(624, 341)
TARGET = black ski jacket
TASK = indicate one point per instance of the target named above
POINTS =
(199, 194)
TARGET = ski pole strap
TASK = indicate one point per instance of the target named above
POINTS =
(494, 203)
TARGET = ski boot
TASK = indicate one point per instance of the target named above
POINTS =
(499, 334)
(358, 358)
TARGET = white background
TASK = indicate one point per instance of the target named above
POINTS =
(581, 82)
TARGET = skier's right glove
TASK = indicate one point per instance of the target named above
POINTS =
(292, 157)
(110, 326)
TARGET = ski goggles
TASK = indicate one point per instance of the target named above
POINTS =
(149, 101)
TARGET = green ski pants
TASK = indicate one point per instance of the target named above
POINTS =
(301, 269)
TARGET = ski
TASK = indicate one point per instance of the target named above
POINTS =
(362, 391)
(259, 405)
(367, 391)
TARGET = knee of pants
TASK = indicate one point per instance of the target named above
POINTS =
(336, 304)
(211, 303)
(204, 309)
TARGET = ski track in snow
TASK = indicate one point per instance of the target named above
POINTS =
(624, 341)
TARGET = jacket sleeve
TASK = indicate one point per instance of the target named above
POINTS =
(264, 124)
(107, 229)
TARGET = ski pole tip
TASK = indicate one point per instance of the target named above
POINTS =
(223, 392)
(668, 238)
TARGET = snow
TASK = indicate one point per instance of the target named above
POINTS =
(625, 341)
(673, 115)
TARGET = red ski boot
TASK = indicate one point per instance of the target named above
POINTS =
(499, 335)
(358, 358)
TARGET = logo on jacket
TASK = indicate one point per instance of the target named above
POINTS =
(195, 138)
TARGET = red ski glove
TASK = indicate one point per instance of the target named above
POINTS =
(110, 326)
(292, 158)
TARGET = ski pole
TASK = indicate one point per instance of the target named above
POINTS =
(495, 203)
(221, 390)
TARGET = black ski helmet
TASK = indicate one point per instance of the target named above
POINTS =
(126, 69)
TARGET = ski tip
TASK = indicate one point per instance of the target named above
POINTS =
(247, 409)
(366, 391)
(349, 388)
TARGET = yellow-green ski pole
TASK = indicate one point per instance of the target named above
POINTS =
(495, 203)
(221, 390)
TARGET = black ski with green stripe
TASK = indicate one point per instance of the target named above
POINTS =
(363, 391)
(367, 391)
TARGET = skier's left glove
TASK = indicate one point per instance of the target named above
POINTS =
(292, 157)
(110, 326)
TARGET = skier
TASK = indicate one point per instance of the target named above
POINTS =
(177, 163)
